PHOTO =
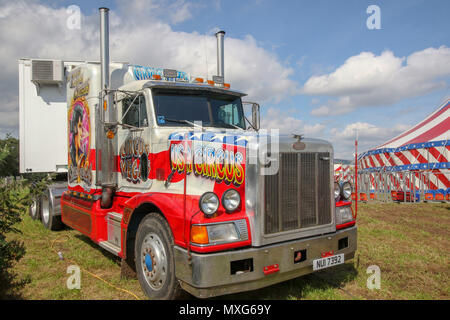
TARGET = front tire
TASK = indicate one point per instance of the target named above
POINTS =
(155, 263)
(48, 217)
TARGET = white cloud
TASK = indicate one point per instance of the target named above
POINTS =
(342, 138)
(140, 33)
(370, 80)
(274, 119)
(369, 136)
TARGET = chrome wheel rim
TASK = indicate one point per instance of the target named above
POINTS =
(45, 210)
(33, 209)
(154, 261)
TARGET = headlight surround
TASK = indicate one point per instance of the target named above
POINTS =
(209, 203)
(346, 190)
(222, 233)
(231, 200)
(337, 191)
(343, 215)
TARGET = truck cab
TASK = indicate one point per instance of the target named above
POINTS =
(201, 199)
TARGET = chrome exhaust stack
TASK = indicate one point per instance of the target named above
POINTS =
(104, 48)
(105, 122)
(220, 79)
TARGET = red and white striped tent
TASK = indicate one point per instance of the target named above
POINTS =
(344, 172)
(425, 148)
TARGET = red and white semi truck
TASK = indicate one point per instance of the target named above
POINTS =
(165, 171)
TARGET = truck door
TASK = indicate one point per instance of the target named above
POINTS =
(133, 143)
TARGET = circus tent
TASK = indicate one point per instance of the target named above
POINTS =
(423, 152)
(344, 172)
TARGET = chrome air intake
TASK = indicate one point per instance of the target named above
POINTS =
(296, 200)
(298, 196)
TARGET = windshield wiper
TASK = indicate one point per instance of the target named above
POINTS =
(250, 123)
(182, 121)
(226, 125)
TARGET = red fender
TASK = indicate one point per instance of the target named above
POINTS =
(170, 205)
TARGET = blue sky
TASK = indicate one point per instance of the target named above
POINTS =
(307, 39)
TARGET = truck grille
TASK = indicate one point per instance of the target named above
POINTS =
(299, 195)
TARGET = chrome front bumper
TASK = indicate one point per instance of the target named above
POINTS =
(209, 274)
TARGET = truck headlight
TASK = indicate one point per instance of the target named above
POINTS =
(231, 200)
(209, 203)
(343, 215)
(346, 190)
(223, 232)
(219, 233)
(337, 191)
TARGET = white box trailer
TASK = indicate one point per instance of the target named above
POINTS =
(43, 114)
(43, 110)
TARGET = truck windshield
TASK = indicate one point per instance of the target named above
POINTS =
(186, 107)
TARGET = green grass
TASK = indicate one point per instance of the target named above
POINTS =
(408, 242)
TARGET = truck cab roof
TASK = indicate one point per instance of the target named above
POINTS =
(142, 84)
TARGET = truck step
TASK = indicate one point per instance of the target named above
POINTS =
(114, 216)
(111, 247)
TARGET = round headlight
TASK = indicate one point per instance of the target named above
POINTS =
(209, 203)
(231, 200)
(346, 190)
(337, 191)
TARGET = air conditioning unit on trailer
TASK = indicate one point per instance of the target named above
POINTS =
(47, 72)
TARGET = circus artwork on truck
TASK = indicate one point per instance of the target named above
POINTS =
(134, 161)
(79, 166)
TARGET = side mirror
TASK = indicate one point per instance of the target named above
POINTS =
(255, 116)
(255, 123)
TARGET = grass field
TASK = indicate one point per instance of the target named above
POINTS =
(410, 244)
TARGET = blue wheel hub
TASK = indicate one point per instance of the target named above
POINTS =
(148, 262)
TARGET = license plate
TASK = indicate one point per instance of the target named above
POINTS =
(328, 261)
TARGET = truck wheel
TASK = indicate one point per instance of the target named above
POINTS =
(155, 263)
(48, 217)
(34, 209)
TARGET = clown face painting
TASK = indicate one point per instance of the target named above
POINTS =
(79, 140)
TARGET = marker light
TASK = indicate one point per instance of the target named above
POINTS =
(199, 80)
(210, 82)
(156, 77)
(199, 235)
